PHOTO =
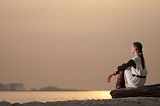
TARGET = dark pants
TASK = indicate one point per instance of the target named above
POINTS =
(120, 80)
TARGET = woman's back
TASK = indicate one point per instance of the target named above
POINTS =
(139, 69)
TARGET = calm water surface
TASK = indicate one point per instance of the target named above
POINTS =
(22, 97)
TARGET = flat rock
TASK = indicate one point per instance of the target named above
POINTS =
(144, 91)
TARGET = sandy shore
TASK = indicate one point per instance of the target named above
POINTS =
(130, 101)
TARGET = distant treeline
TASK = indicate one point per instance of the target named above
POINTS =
(12, 87)
(20, 87)
(53, 88)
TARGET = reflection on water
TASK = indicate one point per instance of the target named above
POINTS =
(21, 97)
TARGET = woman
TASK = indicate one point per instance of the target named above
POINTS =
(133, 73)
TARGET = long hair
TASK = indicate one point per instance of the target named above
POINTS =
(139, 47)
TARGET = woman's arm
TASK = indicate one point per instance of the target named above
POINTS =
(125, 65)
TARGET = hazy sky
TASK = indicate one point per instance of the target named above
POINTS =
(75, 43)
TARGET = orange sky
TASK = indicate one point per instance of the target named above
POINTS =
(75, 43)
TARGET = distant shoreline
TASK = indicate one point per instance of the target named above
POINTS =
(20, 87)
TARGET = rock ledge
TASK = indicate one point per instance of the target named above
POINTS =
(144, 91)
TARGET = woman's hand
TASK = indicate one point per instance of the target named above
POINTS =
(114, 73)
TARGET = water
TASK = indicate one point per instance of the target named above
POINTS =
(48, 96)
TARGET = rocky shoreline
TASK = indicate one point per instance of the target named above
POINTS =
(132, 101)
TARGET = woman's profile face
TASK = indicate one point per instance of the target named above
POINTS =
(133, 49)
